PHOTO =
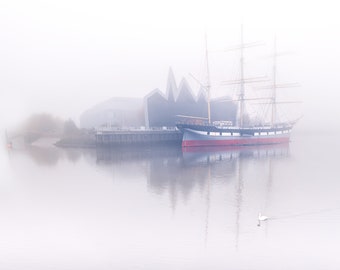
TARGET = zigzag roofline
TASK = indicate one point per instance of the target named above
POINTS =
(185, 85)
(175, 90)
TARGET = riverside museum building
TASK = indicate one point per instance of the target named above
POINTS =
(158, 109)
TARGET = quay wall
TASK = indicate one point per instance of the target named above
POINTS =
(138, 137)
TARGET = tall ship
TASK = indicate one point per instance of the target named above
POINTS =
(198, 131)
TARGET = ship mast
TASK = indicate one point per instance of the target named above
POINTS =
(208, 78)
(241, 97)
(275, 86)
(273, 98)
(242, 81)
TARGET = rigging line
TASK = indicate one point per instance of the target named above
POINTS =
(283, 114)
(233, 73)
(236, 87)
(251, 107)
(201, 72)
(261, 114)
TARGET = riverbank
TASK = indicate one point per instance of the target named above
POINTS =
(77, 141)
(105, 138)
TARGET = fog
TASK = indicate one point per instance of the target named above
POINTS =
(166, 208)
(62, 57)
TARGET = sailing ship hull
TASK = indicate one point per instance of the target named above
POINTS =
(234, 137)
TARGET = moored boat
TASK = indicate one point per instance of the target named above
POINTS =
(212, 135)
(198, 131)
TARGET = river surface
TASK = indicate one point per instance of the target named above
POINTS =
(164, 208)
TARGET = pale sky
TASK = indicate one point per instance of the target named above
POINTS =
(65, 56)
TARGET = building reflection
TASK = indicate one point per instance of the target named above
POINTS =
(234, 172)
(179, 171)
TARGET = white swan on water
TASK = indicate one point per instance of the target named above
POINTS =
(261, 218)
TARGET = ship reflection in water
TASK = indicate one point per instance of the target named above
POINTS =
(169, 208)
(182, 172)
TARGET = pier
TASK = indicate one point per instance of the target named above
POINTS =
(131, 136)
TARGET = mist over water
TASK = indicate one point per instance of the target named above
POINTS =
(164, 208)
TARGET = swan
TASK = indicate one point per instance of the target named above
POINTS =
(261, 218)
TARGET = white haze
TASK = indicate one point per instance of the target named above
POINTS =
(63, 57)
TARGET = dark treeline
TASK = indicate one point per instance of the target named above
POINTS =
(45, 125)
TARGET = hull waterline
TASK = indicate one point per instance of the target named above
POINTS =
(192, 138)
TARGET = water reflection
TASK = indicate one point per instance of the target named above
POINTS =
(185, 209)
(238, 177)
(45, 156)
(170, 169)
(229, 162)
(180, 172)
(50, 155)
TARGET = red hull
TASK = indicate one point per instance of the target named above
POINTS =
(235, 142)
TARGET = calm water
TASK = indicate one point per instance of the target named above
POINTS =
(163, 208)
